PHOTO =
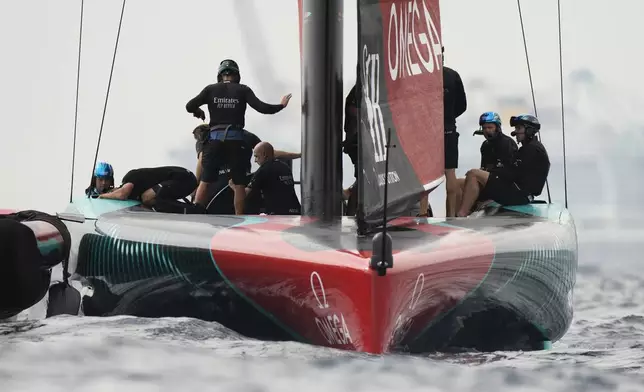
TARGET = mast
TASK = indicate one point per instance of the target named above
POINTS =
(322, 106)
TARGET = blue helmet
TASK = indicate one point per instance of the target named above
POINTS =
(103, 169)
(490, 118)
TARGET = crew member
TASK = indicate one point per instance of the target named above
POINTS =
(102, 180)
(227, 100)
(517, 183)
(498, 149)
(201, 134)
(158, 187)
(217, 189)
(454, 104)
(351, 121)
(274, 180)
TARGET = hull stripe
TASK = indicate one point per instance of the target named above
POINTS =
(439, 317)
(251, 220)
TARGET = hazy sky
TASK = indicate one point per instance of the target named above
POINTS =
(169, 50)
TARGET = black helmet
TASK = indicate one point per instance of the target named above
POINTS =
(527, 120)
(228, 67)
(530, 122)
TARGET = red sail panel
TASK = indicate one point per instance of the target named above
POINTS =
(414, 79)
(402, 91)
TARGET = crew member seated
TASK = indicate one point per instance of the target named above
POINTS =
(102, 180)
(274, 180)
(514, 184)
(498, 149)
(158, 188)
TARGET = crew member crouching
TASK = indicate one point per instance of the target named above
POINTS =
(274, 181)
(158, 188)
(102, 180)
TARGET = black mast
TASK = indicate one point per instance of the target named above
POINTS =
(322, 106)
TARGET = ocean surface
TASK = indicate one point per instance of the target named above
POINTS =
(602, 351)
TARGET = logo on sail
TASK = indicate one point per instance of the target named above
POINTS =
(371, 94)
(410, 35)
(400, 61)
(375, 119)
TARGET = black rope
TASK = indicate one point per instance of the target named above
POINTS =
(109, 84)
(563, 117)
(534, 101)
(80, 41)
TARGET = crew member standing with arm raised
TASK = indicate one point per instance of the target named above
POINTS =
(227, 100)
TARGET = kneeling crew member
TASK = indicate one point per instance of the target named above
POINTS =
(515, 184)
(274, 180)
(227, 100)
(102, 180)
(157, 187)
(202, 134)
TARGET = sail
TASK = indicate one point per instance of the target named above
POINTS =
(400, 61)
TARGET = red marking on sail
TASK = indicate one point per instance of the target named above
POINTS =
(413, 74)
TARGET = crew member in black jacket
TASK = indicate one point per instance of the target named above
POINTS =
(454, 104)
(517, 183)
(274, 182)
(227, 100)
(498, 149)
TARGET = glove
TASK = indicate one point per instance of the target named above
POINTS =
(199, 114)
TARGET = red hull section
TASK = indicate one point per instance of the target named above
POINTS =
(332, 297)
(42, 230)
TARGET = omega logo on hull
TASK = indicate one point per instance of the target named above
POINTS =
(333, 327)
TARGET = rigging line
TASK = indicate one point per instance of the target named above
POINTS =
(534, 101)
(109, 84)
(80, 42)
(563, 116)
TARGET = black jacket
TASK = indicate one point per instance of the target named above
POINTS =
(498, 152)
(454, 98)
(529, 169)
